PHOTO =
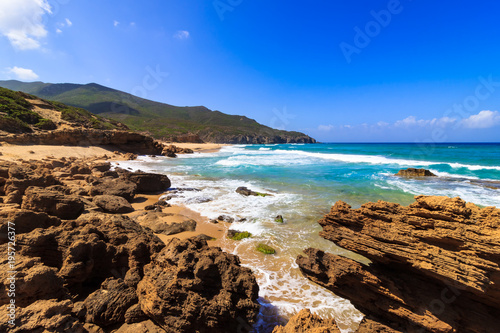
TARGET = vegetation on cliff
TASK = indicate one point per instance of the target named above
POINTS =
(22, 113)
(158, 119)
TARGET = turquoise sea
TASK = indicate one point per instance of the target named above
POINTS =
(306, 180)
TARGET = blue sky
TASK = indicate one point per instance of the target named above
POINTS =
(350, 71)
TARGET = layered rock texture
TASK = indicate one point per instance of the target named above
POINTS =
(305, 321)
(435, 264)
(83, 267)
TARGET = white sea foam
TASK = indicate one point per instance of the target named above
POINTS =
(283, 290)
(472, 193)
(298, 157)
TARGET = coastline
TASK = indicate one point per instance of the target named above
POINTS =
(13, 152)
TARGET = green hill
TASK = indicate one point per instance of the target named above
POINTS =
(24, 113)
(162, 121)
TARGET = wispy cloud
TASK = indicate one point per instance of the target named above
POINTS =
(21, 22)
(325, 127)
(484, 119)
(115, 23)
(22, 73)
(182, 34)
(61, 25)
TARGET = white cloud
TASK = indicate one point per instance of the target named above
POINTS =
(132, 24)
(22, 73)
(115, 23)
(59, 31)
(68, 22)
(484, 119)
(325, 127)
(181, 34)
(21, 22)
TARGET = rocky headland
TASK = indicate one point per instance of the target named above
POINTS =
(435, 264)
(84, 266)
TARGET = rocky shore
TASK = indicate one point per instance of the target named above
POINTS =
(84, 266)
(435, 264)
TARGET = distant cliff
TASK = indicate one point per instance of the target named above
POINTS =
(162, 121)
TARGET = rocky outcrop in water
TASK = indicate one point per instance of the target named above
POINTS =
(435, 264)
(412, 172)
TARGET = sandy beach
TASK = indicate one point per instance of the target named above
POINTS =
(11, 152)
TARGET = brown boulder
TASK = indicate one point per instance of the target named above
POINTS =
(33, 281)
(42, 316)
(115, 186)
(24, 221)
(412, 172)
(149, 182)
(101, 166)
(108, 305)
(113, 204)
(66, 207)
(146, 326)
(191, 287)
(21, 177)
(159, 223)
(306, 322)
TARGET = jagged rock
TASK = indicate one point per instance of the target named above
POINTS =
(191, 287)
(146, 326)
(149, 182)
(225, 218)
(158, 205)
(93, 248)
(113, 204)
(436, 263)
(247, 192)
(101, 166)
(66, 207)
(305, 321)
(24, 221)
(33, 280)
(412, 172)
(369, 325)
(134, 314)
(108, 305)
(21, 177)
(118, 186)
(80, 169)
(157, 222)
(172, 151)
(42, 316)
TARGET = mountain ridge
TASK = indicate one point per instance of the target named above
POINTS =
(161, 120)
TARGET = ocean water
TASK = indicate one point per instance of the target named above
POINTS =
(305, 181)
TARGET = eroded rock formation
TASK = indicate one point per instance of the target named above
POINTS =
(305, 321)
(436, 264)
(79, 268)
